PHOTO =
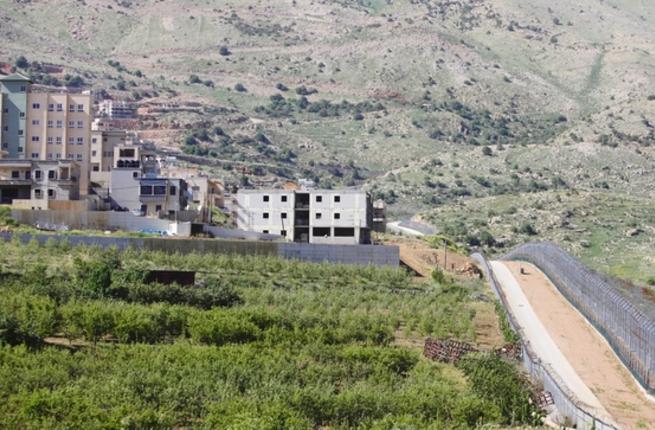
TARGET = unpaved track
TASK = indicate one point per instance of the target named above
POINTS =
(583, 347)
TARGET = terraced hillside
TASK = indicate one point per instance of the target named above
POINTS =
(440, 107)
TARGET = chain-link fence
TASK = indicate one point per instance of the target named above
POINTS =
(628, 330)
(570, 410)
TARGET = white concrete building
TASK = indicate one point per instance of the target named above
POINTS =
(316, 216)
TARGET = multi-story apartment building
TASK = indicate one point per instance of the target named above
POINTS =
(46, 126)
(205, 194)
(39, 180)
(135, 185)
(116, 109)
(316, 216)
(103, 143)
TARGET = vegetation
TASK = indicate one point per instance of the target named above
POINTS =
(288, 345)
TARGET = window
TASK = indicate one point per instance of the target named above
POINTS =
(58, 140)
(146, 190)
(60, 124)
(36, 122)
(159, 190)
(321, 232)
(28, 174)
(80, 108)
(173, 190)
(80, 124)
(319, 199)
(36, 106)
(35, 138)
(35, 155)
(319, 215)
(37, 174)
(93, 153)
(15, 174)
(37, 193)
(51, 123)
(49, 156)
(265, 215)
(283, 233)
(51, 107)
(20, 149)
(344, 232)
(60, 107)
(22, 115)
(20, 132)
(94, 140)
(337, 199)
(51, 140)
(265, 231)
(283, 215)
(80, 141)
(71, 108)
(51, 194)
(80, 157)
(71, 124)
(157, 208)
(58, 156)
(71, 141)
(284, 199)
(135, 175)
(96, 168)
(23, 88)
(266, 198)
(52, 174)
(337, 215)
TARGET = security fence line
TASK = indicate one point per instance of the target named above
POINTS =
(571, 410)
(627, 329)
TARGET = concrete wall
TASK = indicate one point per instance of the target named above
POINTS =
(71, 220)
(353, 254)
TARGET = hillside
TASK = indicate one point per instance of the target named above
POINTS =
(457, 110)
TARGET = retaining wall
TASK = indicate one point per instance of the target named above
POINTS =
(570, 410)
(628, 330)
(363, 255)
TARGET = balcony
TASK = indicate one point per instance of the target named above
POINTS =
(16, 182)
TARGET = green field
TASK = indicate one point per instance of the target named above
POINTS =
(259, 343)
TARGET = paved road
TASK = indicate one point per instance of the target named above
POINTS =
(574, 341)
(541, 341)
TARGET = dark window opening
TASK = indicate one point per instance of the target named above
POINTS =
(159, 190)
(126, 153)
(284, 199)
(319, 199)
(265, 231)
(283, 233)
(265, 215)
(15, 174)
(284, 215)
(319, 215)
(51, 174)
(173, 190)
(146, 190)
(337, 199)
(37, 174)
(321, 232)
(337, 216)
(266, 198)
(157, 208)
(344, 232)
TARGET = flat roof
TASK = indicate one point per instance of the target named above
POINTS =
(278, 191)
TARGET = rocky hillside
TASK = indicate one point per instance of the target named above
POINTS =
(447, 108)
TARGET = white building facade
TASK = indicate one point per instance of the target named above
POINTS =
(338, 217)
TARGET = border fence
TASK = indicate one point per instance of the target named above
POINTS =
(571, 410)
(627, 329)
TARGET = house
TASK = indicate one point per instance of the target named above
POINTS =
(32, 183)
(205, 194)
(45, 126)
(310, 216)
(103, 143)
(116, 109)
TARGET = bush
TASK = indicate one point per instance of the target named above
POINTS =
(240, 88)
(224, 51)
(219, 328)
(194, 79)
(25, 318)
(487, 151)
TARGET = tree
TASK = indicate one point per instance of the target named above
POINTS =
(22, 63)
(194, 79)
(240, 88)
(487, 151)
(224, 51)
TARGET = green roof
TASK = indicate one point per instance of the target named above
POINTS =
(15, 78)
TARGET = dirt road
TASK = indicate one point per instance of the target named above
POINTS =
(580, 345)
